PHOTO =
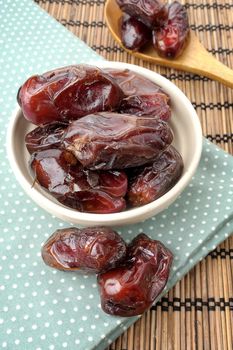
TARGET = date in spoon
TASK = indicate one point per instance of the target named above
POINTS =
(195, 58)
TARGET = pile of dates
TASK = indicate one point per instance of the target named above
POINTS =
(102, 142)
(166, 25)
(130, 278)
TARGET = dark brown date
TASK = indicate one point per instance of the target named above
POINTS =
(51, 168)
(95, 249)
(155, 105)
(134, 34)
(153, 181)
(131, 288)
(87, 191)
(170, 39)
(150, 12)
(112, 182)
(132, 83)
(93, 201)
(116, 141)
(143, 97)
(68, 93)
(47, 136)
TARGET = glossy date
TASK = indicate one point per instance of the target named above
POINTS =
(131, 288)
(98, 192)
(151, 182)
(133, 84)
(150, 12)
(95, 249)
(134, 34)
(116, 141)
(170, 39)
(45, 137)
(155, 105)
(68, 93)
(142, 96)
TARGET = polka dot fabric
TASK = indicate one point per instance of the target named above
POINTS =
(42, 308)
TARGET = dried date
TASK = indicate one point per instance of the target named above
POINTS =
(93, 201)
(155, 105)
(51, 168)
(112, 182)
(142, 96)
(134, 34)
(133, 84)
(151, 182)
(45, 137)
(59, 172)
(150, 12)
(68, 93)
(95, 249)
(170, 39)
(116, 141)
(131, 288)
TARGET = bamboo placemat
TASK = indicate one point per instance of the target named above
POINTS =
(198, 312)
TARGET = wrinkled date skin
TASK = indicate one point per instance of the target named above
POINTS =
(133, 84)
(116, 141)
(130, 289)
(170, 39)
(51, 168)
(153, 181)
(134, 34)
(87, 191)
(96, 249)
(45, 137)
(93, 201)
(68, 93)
(155, 105)
(142, 96)
(150, 12)
(113, 182)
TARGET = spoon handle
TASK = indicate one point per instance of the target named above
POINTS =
(206, 64)
(218, 71)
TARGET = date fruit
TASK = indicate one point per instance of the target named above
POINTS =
(153, 181)
(95, 249)
(170, 39)
(68, 93)
(45, 137)
(51, 168)
(93, 201)
(134, 34)
(155, 105)
(116, 141)
(59, 172)
(113, 182)
(150, 12)
(142, 96)
(131, 288)
(132, 83)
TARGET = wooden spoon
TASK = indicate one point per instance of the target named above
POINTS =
(194, 59)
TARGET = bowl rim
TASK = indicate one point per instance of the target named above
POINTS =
(126, 216)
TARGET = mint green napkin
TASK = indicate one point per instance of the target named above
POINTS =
(41, 308)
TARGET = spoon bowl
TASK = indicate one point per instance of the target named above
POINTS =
(195, 58)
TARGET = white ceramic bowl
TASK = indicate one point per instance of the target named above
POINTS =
(187, 139)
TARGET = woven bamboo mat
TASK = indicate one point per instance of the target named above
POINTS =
(198, 312)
